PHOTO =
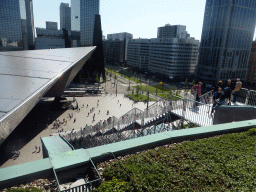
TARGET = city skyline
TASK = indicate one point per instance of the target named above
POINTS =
(141, 19)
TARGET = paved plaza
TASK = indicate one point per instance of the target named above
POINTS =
(40, 121)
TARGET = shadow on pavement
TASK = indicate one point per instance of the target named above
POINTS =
(43, 114)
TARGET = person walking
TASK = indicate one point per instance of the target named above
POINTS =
(237, 89)
(196, 90)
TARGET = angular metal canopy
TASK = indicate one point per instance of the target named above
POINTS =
(27, 76)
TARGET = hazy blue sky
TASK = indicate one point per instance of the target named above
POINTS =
(139, 17)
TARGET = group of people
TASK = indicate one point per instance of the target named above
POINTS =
(223, 94)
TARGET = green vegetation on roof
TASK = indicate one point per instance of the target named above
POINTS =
(140, 97)
(223, 163)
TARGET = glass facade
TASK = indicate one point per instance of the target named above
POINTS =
(13, 32)
(75, 15)
(30, 23)
(88, 9)
(226, 39)
(65, 16)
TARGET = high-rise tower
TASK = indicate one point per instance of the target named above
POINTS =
(75, 15)
(226, 39)
(30, 23)
(16, 25)
(88, 10)
(65, 16)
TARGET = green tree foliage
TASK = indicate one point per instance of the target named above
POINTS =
(186, 83)
(97, 79)
(129, 89)
(193, 83)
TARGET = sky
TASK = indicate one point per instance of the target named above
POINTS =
(138, 17)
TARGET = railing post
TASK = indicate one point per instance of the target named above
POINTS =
(183, 112)
(142, 120)
(247, 97)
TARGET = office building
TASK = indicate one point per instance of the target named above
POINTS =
(138, 53)
(115, 48)
(51, 37)
(30, 23)
(75, 15)
(16, 25)
(65, 16)
(119, 36)
(95, 65)
(167, 58)
(226, 40)
(88, 10)
(114, 52)
(170, 31)
(51, 25)
(251, 75)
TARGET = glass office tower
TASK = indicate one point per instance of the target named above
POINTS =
(226, 39)
(65, 16)
(75, 15)
(13, 26)
(88, 10)
(16, 25)
(30, 23)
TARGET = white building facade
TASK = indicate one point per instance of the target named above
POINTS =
(169, 58)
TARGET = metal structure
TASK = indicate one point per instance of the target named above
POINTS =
(155, 119)
(245, 97)
(135, 123)
(27, 76)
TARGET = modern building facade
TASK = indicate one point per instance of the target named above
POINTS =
(168, 58)
(119, 36)
(170, 31)
(173, 58)
(226, 39)
(75, 15)
(16, 25)
(30, 23)
(138, 53)
(88, 10)
(251, 75)
(51, 37)
(49, 43)
(114, 52)
(65, 16)
(51, 25)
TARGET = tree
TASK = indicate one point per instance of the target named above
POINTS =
(105, 81)
(115, 79)
(137, 91)
(129, 89)
(193, 83)
(110, 75)
(186, 83)
(97, 79)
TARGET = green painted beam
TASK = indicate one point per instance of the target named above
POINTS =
(69, 159)
(74, 158)
(25, 170)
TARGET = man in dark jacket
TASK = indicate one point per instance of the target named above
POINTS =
(218, 98)
(228, 91)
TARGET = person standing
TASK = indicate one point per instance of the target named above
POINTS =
(237, 89)
(231, 86)
(197, 91)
